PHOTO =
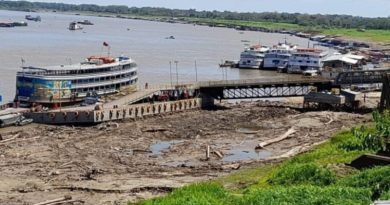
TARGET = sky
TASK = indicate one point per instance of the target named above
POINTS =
(367, 8)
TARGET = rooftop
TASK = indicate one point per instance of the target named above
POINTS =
(90, 63)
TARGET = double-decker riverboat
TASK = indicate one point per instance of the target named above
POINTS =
(306, 59)
(253, 57)
(69, 84)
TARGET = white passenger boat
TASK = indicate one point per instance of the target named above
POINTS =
(72, 83)
(278, 56)
(306, 59)
(253, 57)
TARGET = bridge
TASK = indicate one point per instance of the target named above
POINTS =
(361, 77)
(262, 88)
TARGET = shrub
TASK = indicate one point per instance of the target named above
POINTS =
(377, 179)
(307, 173)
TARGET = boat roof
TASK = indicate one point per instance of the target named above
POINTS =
(87, 64)
(347, 58)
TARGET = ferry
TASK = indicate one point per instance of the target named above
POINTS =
(253, 57)
(70, 84)
(304, 59)
(278, 56)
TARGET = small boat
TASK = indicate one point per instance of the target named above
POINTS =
(245, 41)
(170, 37)
(4, 24)
(75, 26)
(31, 18)
(85, 22)
(21, 23)
(229, 63)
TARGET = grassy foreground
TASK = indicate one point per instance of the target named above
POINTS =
(316, 177)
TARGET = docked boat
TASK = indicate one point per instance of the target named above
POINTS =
(306, 59)
(75, 26)
(32, 18)
(69, 84)
(85, 22)
(253, 57)
(278, 56)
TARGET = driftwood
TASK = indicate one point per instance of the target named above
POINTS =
(10, 139)
(155, 129)
(330, 120)
(207, 152)
(278, 139)
(218, 154)
(230, 166)
(69, 202)
(65, 198)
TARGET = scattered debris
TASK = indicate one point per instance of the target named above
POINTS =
(152, 156)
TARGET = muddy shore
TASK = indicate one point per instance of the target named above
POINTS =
(127, 161)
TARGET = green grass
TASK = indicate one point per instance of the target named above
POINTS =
(377, 36)
(259, 24)
(307, 195)
(199, 194)
(303, 173)
(376, 179)
(385, 196)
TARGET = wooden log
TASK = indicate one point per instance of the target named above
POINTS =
(208, 152)
(65, 198)
(218, 154)
(230, 166)
(10, 139)
(278, 139)
(330, 120)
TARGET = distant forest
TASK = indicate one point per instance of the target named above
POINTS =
(315, 20)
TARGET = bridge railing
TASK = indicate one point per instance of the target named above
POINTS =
(258, 81)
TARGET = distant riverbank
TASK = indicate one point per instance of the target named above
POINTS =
(374, 37)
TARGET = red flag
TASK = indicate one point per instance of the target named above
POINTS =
(105, 44)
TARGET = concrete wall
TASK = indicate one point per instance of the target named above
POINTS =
(124, 112)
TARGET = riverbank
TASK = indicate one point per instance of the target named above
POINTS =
(320, 176)
(377, 38)
(134, 160)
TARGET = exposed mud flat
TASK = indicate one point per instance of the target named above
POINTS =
(126, 161)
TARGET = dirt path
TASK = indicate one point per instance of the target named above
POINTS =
(127, 161)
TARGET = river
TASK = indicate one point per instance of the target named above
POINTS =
(49, 42)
